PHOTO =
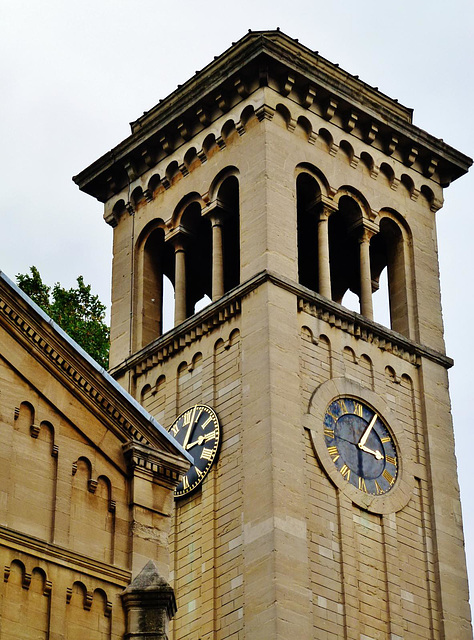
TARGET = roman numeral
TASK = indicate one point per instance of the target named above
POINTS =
(175, 430)
(378, 488)
(206, 454)
(334, 453)
(388, 477)
(362, 485)
(343, 406)
(391, 460)
(329, 432)
(386, 439)
(204, 425)
(185, 483)
(358, 409)
(346, 472)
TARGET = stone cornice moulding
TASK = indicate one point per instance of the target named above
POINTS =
(162, 466)
(53, 553)
(266, 59)
(77, 371)
(308, 301)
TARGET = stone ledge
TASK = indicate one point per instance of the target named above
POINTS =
(63, 557)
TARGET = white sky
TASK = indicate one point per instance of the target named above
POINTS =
(74, 74)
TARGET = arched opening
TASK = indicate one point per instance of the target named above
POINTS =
(344, 249)
(228, 196)
(308, 194)
(198, 251)
(388, 257)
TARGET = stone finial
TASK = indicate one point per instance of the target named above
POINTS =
(149, 605)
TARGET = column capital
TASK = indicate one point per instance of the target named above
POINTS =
(178, 237)
(322, 207)
(364, 229)
(215, 211)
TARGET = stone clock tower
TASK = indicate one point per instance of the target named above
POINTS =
(264, 190)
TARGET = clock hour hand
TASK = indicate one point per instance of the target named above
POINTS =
(375, 453)
(200, 440)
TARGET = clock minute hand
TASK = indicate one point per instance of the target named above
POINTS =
(366, 433)
(190, 428)
(375, 453)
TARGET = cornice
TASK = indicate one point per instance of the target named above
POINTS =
(270, 59)
(62, 556)
(229, 306)
(76, 370)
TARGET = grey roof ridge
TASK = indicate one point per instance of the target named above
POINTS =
(127, 397)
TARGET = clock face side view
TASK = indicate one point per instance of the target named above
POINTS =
(361, 445)
(198, 431)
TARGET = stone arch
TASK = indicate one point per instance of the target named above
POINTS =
(390, 249)
(137, 196)
(304, 128)
(248, 117)
(367, 160)
(282, 115)
(172, 172)
(347, 149)
(408, 183)
(317, 174)
(428, 194)
(387, 172)
(154, 260)
(229, 132)
(210, 146)
(154, 183)
(191, 159)
(308, 201)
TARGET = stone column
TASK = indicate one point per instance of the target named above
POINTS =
(366, 307)
(178, 237)
(324, 270)
(217, 258)
(149, 605)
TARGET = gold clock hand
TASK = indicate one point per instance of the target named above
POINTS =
(201, 439)
(375, 453)
(190, 428)
(366, 433)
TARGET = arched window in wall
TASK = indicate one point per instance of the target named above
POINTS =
(308, 195)
(228, 195)
(344, 248)
(155, 261)
(198, 255)
(388, 250)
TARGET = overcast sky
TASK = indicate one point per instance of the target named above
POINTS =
(74, 74)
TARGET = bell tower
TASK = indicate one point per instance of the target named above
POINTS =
(265, 191)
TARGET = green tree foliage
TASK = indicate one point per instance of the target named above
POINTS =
(76, 310)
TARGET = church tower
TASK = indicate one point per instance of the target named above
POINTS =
(324, 500)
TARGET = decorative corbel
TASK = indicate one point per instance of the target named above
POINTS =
(288, 84)
(148, 158)
(309, 97)
(183, 170)
(313, 136)
(351, 121)
(436, 205)
(355, 161)
(16, 413)
(165, 144)
(220, 142)
(333, 150)
(74, 468)
(202, 156)
(374, 172)
(34, 430)
(203, 116)
(184, 131)
(48, 585)
(111, 219)
(131, 171)
(166, 183)
(371, 132)
(395, 184)
(411, 156)
(25, 583)
(265, 112)
(91, 485)
(129, 207)
(148, 194)
(240, 128)
(414, 195)
(241, 88)
(391, 145)
(431, 167)
(291, 125)
(330, 110)
(223, 102)
(88, 600)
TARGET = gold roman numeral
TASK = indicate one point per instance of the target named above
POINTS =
(333, 416)
(175, 430)
(206, 422)
(362, 485)
(185, 483)
(199, 473)
(388, 477)
(386, 439)
(334, 453)
(358, 409)
(346, 472)
(187, 417)
(329, 432)
(378, 488)
(391, 460)
(343, 406)
(206, 454)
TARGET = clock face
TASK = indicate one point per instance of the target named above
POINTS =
(361, 445)
(198, 431)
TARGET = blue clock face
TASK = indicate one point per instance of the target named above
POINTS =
(361, 445)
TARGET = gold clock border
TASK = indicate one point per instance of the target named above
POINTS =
(399, 496)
